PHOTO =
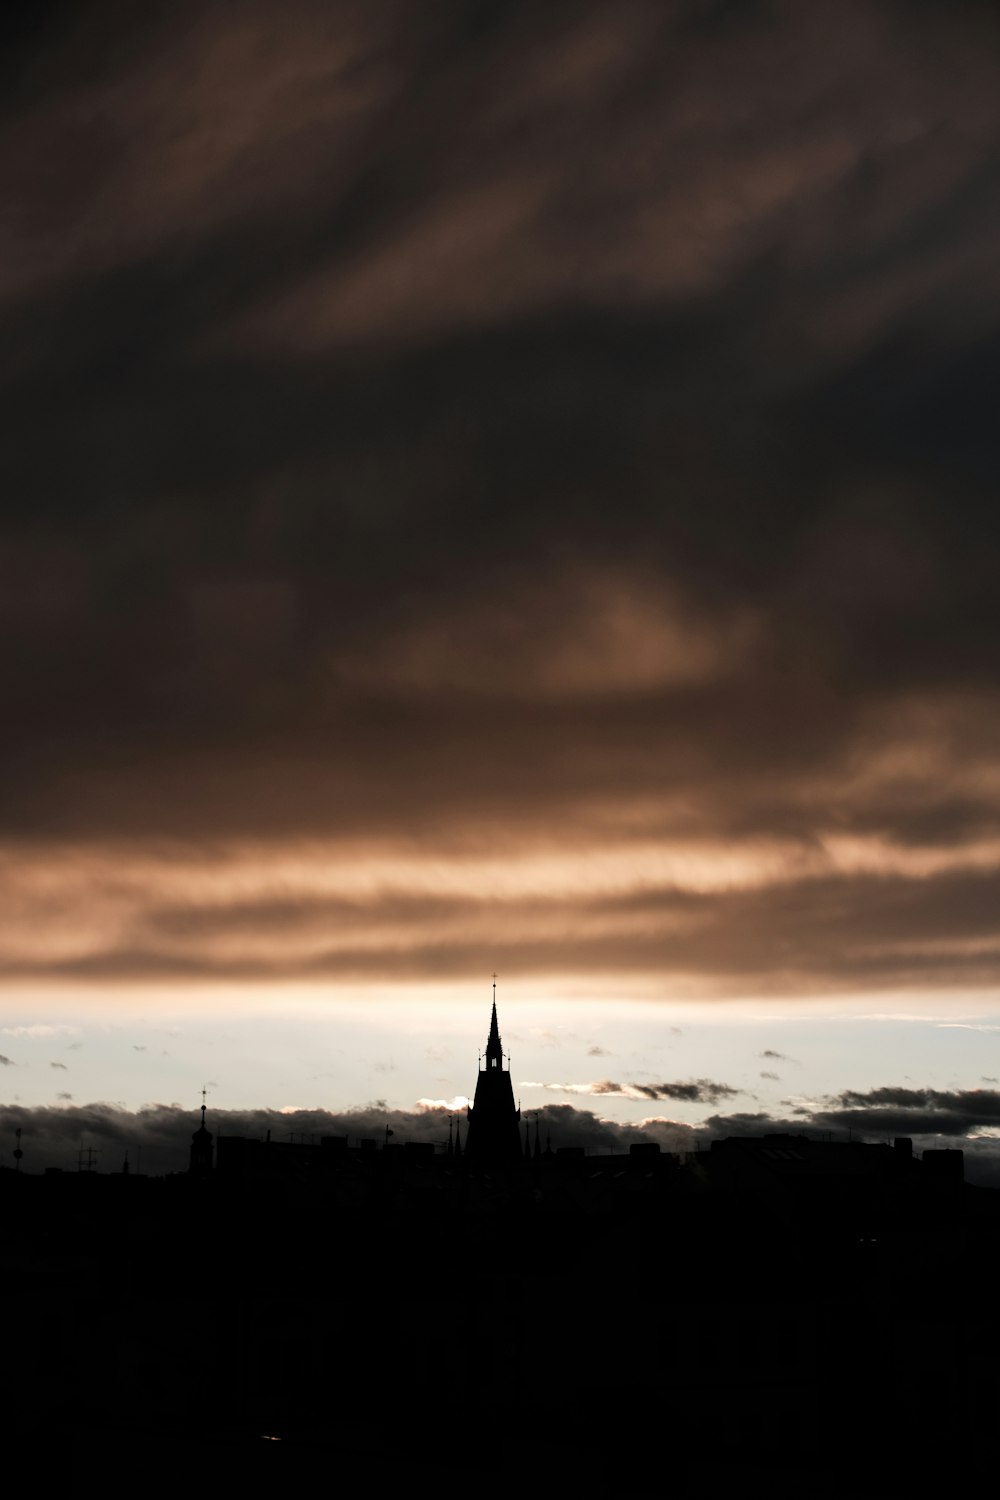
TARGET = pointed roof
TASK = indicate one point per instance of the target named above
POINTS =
(492, 1133)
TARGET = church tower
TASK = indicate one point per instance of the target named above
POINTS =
(201, 1147)
(494, 1134)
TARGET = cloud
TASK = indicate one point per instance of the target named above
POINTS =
(773, 1076)
(566, 1125)
(67, 1097)
(774, 1056)
(912, 1111)
(751, 1123)
(158, 1136)
(447, 1106)
(837, 930)
(485, 458)
(700, 1091)
(40, 1030)
(596, 1051)
(60, 1065)
(931, 1117)
(161, 1133)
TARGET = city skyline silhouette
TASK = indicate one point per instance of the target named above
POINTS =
(783, 1248)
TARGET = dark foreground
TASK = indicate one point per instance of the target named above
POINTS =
(609, 1323)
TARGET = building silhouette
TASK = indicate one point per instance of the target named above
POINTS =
(201, 1149)
(494, 1134)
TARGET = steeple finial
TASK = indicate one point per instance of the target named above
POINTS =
(201, 1144)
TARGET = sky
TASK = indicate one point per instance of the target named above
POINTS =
(499, 487)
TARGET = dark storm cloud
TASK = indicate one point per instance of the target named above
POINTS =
(700, 1091)
(750, 1123)
(162, 1133)
(703, 1091)
(932, 1117)
(158, 1137)
(6, 1062)
(903, 1111)
(566, 1125)
(982, 1155)
(538, 425)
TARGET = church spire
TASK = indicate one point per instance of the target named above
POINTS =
(201, 1146)
(493, 1133)
(494, 1051)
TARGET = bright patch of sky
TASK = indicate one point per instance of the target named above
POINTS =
(313, 1047)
